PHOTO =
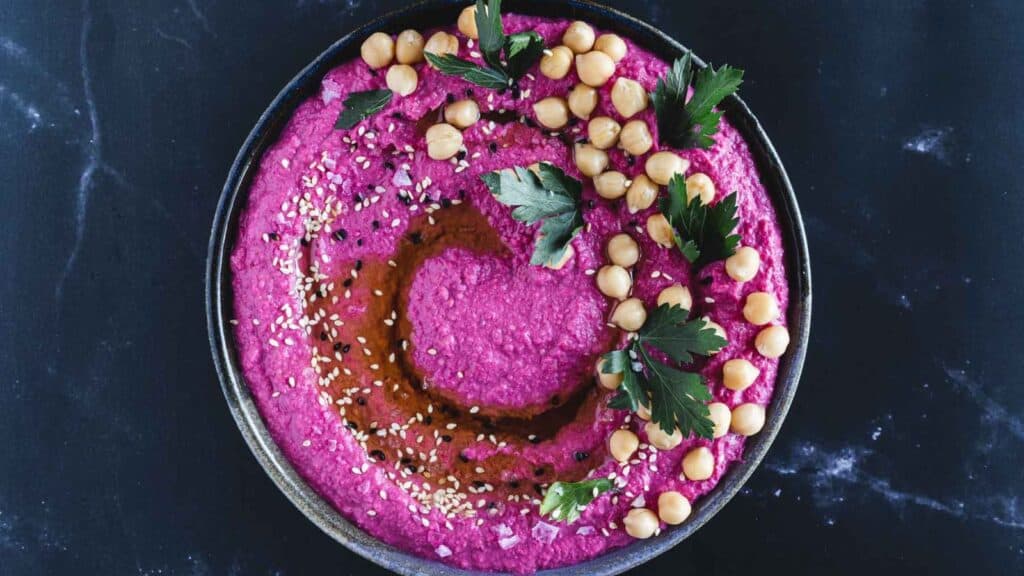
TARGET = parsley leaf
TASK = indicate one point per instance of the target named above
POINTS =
(564, 500)
(361, 105)
(553, 197)
(675, 397)
(683, 124)
(703, 233)
(520, 51)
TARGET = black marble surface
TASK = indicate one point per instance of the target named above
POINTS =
(900, 124)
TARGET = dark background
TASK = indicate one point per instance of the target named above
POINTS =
(900, 124)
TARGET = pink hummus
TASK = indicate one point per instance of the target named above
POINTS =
(432, 385)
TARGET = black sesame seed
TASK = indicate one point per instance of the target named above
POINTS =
(707, 280)
(274, 236)
(304, 241)
(446, 438)
(340, 235)
(359, 265)
(478, 483)
(446, 203)
(428, 419)
(362, 402)
(415, 237)
(346, 348)
(630, 160)
(359, 242)
(371, 431)
(591, 204)
(538, 489)
(405, 460)
(371, 186)
(469, 92)
(538, 472)
(379, 455)
(357, 197)
(372, 72)
(389, 164)
(398, 116)
(323, 336)
(530, 123)
(555, 400)
(450, 98)
(493, 147)
(347, 282)
(463, 457)
(633, 223)
(461, 155)
(514, 484)
(491, 505)
(411, 468)
(580, 456)
(353, 425)
(534, 440)
(375, 224)
(337, 346)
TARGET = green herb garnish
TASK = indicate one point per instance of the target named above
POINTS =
(683, 124)
(553, 196)
(361, 105)
(676, 398)
(703, 233)
(520, 51)
(564, 500)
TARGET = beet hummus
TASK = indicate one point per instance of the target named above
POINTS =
(431, 382)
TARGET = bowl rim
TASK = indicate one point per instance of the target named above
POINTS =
(219, 298)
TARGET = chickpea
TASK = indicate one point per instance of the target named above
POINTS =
(552, 112)
(623, 444)
(761, 308)
(636, 138)
(590, 160)
(660, 439)
(772, 341)
(673, 508)
(698, 464)
(743, 265)
(660, 230)
(443, 141)
(641, 194)
(402, 79)
(748, 419)
(610, 185)
(555, 63)
(614, 281)
(377, 50)
(640, 523)
(467, 22)
(721, 416)
(594, 68)
(603, 132)
(719, 331)
(608, 381)
(676, 295)
(409, 47)
(579, 37)
(623, 250)
(643, 413)
(441, 43)
(629, 97)
(629, 315)
(611, 45)
(582, 101)
(462, 114)
(567, 255)
(700, 184)
(739, 374)
(662, 166)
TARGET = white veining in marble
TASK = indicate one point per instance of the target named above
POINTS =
(176, 39)
(201, 17)
(26, 109)
(934, 142)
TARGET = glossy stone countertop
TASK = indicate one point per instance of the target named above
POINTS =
(899, 122)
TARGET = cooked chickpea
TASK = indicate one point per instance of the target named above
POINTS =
(623, 444)
(660, 439)
(467, 22)
(772, 341)
(603, 132)
(402, 79)
(614, 281)
(441, 43)
(610, 185)
(698, 464)
(590, 160)
(556, 62)
(719, 331)
(579, 37)
(443, 141)
(673, 508)
(629, 97)
(630, 315)
(643, 413)
(552, 112)
(462, 114)
(636, 138)
(700, 184)
(662, 166)
(743, 265)
(567, 255)
(641, 194)
(608, 381)
(739, 374)
(582, 101)
(378, 50)
(660, 230)
(594, 68)
(748, 419)
(761, 308)
(623, 250)
(676, 295)
(409, 47)
(611, 45)
(640, 523)
(721, 416)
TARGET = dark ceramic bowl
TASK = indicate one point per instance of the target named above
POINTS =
(219, 299)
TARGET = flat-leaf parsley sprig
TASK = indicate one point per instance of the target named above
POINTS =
(563, 501)
(676, 398)
(360, 106)
(508, 57)
(702, 233)
(691, 124)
